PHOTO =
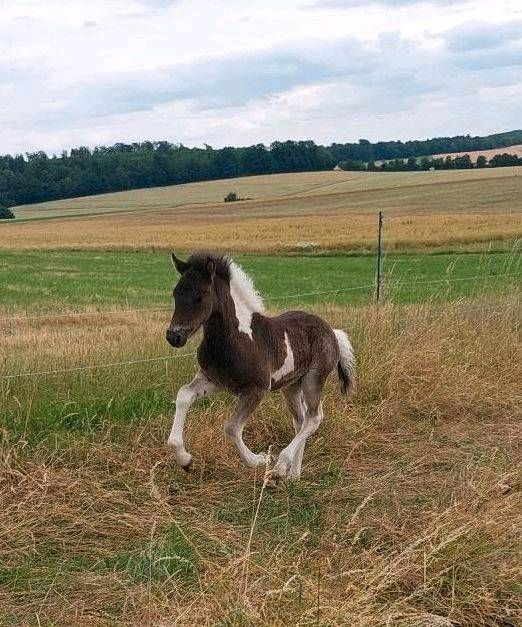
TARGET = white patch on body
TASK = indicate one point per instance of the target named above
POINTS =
(288, 364)
(247, 300)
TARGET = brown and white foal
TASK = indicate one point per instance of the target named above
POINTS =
(249, 354)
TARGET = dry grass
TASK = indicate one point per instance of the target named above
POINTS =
(408, 513)
(323, 232)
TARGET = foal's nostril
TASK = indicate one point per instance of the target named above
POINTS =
(175, 338)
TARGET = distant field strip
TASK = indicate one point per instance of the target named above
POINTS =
(309, 233)
(510, 150)
(479, 189)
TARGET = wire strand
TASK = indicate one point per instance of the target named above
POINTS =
(96, 366)
(395, 284)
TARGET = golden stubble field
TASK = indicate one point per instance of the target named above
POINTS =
(289, 212)
(307, 233)
(408, 512)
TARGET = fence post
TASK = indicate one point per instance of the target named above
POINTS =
(378, 273)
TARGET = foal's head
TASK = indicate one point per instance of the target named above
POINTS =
(192, 298)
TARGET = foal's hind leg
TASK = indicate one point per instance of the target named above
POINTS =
(296, 404)
(234, 427)
(312, 387)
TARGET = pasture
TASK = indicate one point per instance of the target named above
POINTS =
(40, 282)
(408, 510)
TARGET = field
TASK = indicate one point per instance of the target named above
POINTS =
(408, 512)
(321, 212)
(510, 150)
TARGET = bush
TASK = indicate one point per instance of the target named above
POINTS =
(231, 197)
(6, 214)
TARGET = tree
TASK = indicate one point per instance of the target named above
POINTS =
(463, 163)
(6, 214)
(482, 162)
(350, 164)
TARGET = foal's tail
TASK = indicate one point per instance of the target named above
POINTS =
(346, 365)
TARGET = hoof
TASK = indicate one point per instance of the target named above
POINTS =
(281, 469)
(188, 468)
(274, 483)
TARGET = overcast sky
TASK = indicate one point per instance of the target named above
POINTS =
(236, 72)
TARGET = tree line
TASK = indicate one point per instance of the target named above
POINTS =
(37, 177)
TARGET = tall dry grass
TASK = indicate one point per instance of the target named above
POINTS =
(301, 232)
(408, 512)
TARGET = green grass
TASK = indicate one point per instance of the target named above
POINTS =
(62, 281)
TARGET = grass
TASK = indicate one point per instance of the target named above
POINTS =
(407, 514)
(50, 281)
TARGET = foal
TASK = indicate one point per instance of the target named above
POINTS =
(248, 354)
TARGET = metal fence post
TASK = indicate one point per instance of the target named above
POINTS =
(378, 273)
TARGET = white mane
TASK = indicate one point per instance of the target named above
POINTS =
(247, 299)
(244, 288)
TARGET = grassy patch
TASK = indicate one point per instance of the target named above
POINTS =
(66, 281)
(166, 556)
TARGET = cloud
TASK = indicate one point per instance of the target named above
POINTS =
(480, 35)
(351, 4)
(254, 73)
(225, 82)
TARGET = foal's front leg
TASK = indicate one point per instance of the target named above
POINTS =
(198, 387)
(247, 403)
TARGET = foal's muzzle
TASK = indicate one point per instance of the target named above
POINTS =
(177, 337)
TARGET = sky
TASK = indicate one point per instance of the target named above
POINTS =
(235, 72)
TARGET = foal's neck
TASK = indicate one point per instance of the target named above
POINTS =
(230, 316)
(223, 319)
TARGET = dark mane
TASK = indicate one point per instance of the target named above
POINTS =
(198, 261)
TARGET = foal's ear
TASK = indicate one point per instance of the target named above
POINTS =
(210, 267)
(180, 266)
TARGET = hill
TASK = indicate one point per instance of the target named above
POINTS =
(511, 150)
(312, 212)
(38, 177)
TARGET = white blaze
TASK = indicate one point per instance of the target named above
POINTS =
(288, 364)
